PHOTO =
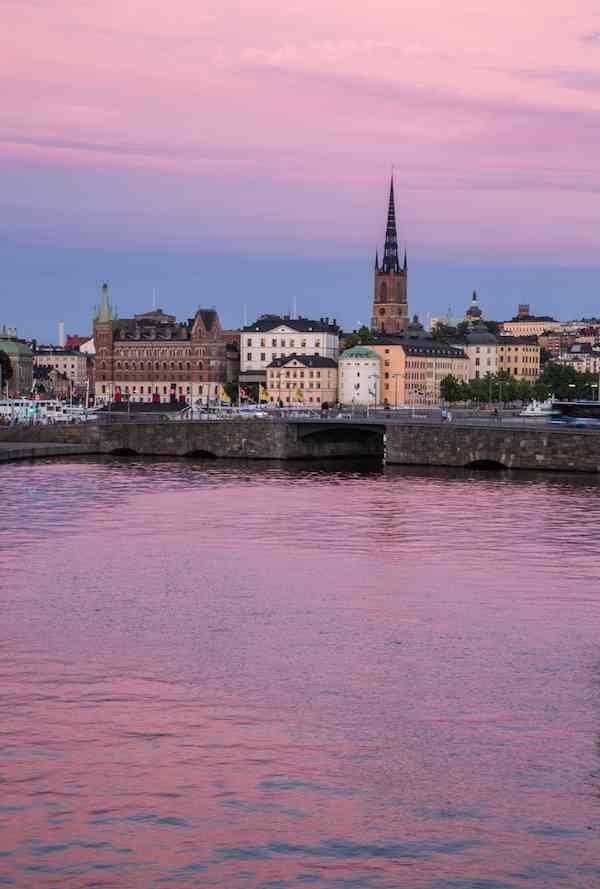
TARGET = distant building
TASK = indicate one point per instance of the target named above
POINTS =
(390, 299)
(583, 357)
(154, 357)
(474, 312)
(524, 324)
(71, 363)
(519, 356)
(51, 383)
(481, 348)
(359, 376)
(21, 362)
(307, 379)
(413, 366)
(274, 337)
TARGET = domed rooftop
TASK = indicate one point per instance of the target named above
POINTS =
(479, 335)
(415, 329)
(473, 313)
(359, 352)
(14, 347)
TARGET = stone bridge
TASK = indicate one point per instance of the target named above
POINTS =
(511, 445)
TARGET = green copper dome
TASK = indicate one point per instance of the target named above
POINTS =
(359, 352)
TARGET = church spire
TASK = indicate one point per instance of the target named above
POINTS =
(106, 310)
(376, 260)
(390, 253)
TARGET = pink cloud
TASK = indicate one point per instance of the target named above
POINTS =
(291, 117)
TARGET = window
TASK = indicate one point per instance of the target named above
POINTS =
(263, 357)
(249, 341)
(273, 343)
(262, 343)
(249, 356)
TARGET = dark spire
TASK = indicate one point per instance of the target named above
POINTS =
(390, 253)
(405, 261)
(376, 260)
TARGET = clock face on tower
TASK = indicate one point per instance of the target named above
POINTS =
(382, 312)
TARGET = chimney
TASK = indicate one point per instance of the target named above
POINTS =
(61, 334)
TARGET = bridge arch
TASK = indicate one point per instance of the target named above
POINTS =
(343, 441)
(494, 465)
(199, 454)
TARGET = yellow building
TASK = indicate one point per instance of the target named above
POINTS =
(518, 356)
(302, 379)
(413, 366)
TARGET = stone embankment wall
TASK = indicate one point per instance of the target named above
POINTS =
(455, 444)
(541, 447)
(250, 439)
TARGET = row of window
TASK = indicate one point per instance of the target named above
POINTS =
(170, 365)
(293, 373)
(282, 343)
(157, 390)
(296, 384)
(263, 356)
(155, 353)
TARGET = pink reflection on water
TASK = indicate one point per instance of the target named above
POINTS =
(234, 676)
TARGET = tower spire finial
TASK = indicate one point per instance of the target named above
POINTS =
(390, 253)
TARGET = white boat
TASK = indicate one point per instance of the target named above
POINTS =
(44, 411)
(539, 409)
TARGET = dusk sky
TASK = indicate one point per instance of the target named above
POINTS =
(238, 155)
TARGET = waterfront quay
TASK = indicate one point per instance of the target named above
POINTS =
(418, 441)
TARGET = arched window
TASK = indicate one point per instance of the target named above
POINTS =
(383, 292)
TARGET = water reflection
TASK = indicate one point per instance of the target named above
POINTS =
(273, 675)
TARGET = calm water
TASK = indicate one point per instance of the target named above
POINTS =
(263, 676)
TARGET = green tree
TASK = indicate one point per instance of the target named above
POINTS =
(443, 333)
(6, 370)
(361, 337)
(451, 389)
(232, 390)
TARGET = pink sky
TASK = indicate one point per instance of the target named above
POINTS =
(274, 126)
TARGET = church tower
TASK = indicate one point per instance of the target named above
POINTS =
(390, 307)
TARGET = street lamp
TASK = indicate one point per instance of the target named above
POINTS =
(596, 386)
(572, 386)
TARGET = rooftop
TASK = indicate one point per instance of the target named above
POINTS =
(302, 325)
(359, 352)
(304, 360)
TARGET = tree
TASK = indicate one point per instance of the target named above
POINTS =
(451, 389)
(6, 370)
(362, 337)
(443, 333)
(232, 391)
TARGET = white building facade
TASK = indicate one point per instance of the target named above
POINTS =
(359, 376)
(273, 337)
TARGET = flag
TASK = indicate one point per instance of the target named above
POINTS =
(223, 396)
(243, 393)
(263, 394)
(298, 395)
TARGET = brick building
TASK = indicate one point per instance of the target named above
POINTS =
(153, 356)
